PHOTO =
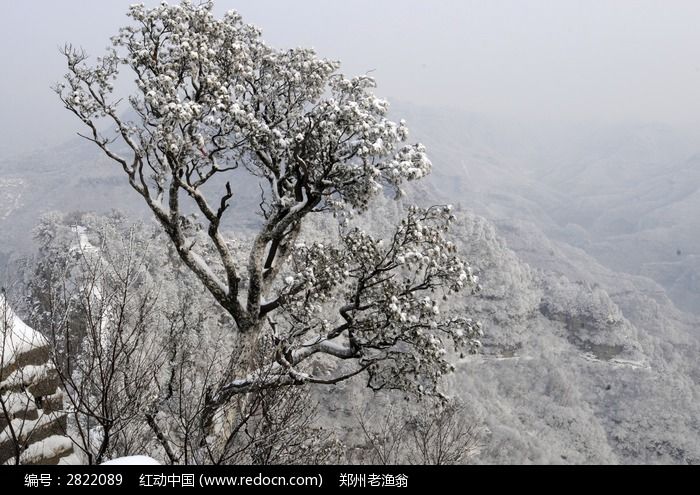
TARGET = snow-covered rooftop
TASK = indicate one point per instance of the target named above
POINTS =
(17, 337)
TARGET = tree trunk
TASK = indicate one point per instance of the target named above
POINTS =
(221, 417)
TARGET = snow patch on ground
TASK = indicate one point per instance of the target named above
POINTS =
(134, 460)
(480, 358)
(618, 362)
(84, 245)
(615, 362)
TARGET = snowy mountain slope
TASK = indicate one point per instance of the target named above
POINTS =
(597, 371)
(66, 178)
(629, 196)
(580, 364)
(645, 222)
(10, 195)
(603, 368)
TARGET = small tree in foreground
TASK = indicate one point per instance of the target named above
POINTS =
(437, 433)
(214, 106)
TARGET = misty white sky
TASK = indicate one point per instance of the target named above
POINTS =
(602, 61)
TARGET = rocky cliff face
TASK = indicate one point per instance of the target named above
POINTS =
(32, 422)
(580, 364)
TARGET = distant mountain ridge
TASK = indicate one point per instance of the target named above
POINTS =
(585, 367)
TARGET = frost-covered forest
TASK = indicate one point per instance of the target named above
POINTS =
(254, 258)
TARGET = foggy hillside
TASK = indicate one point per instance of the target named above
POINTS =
(625, 195)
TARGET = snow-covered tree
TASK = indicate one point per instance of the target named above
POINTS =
(100, 310)
(137, 348)
(216, 105)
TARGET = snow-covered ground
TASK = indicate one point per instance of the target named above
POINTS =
(134, 460)
(84, 245)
